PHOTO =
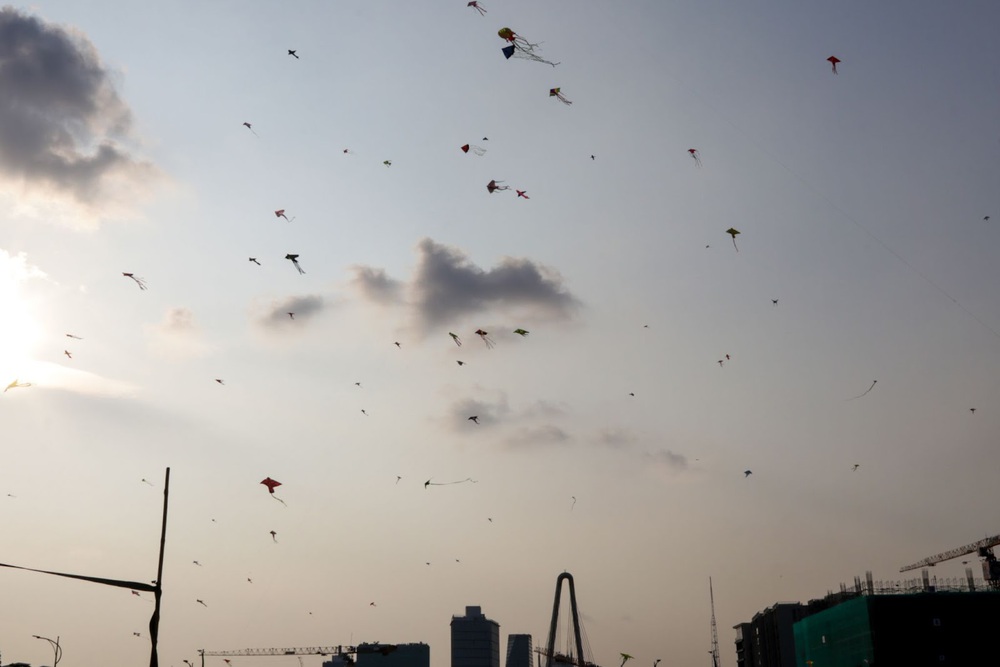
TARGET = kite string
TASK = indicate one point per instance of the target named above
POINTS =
(819, 193)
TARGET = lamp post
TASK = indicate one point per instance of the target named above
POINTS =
(55, 647)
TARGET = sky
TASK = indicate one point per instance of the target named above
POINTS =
(663, 359)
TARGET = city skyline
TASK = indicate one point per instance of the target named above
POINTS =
(416, 325)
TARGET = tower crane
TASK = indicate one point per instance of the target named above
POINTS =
(341, 651)
(983, 548)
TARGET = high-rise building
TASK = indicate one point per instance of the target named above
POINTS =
(518, 651)
(475, 640)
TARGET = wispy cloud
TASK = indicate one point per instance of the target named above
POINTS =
(61, 121)
(177, 335)
(489, 412)
(535, 436)
(275, 313)
(447, 286)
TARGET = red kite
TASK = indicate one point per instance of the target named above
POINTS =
(833, 60)
(478, 150)
(695, 155)
(478, 7)
(271, 485)
(141, 282)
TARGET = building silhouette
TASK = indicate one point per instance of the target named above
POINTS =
(877, 623)
(475, 640)
(913, 629)
(518, 651)
(401, 655)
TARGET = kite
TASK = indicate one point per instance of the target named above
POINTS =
(219, 380)
(519, 47)
(556, 92)
(855, 467)
(249, 127)
(295, 260)
(397, 344)
(478, 7)
(478, 150)
(291, 315)
(833, 60)
(972, 410)
(254, 260)
(454, 337)
(141, 282)
(68, 353)
(493, 187)
(625, 658)
(461, 481)
(196, 563)
(866, 391)
(398, 477)
(747, 473)
(363, 412)
(522, 193)
(774, 302)
(280, 213)
(521, 332)
(574, 503)
(72, 336)
(357, 384)
(271, 485)
(474, 418)
(387, 163)
(146, 481)
(15, 384)
(202, 603)
(486, 339)
(733, 232)
(460, 363)
(136, 634)
(274, 536)
(695, 155)
(292, 53)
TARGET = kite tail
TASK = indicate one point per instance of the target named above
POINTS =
(279, 500)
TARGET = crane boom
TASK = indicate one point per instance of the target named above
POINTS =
(986, 543)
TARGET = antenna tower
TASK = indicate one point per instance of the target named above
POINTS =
(715, 629)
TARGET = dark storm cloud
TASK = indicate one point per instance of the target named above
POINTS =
(275, 313)
(376, 285)
(59, 113)
(447, 285)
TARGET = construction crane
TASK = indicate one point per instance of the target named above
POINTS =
(715, 629)
(983, 548)
(344, 652)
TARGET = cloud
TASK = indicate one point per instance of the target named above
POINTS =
(489, 413)
(667, 460)
(546, 434)
(177, 335)
(376, 285)
(616, 438)
(61, 119)
(447, 285)
(275, 313)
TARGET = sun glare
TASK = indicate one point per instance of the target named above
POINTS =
(18, 329)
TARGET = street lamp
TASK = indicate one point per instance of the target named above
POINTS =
(55, 647)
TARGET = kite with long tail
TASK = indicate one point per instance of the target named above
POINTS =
(461, 481)
(271, 485)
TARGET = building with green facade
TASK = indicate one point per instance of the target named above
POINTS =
(914, 629)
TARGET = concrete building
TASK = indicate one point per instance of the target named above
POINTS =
(519, 652)
(475, 640)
